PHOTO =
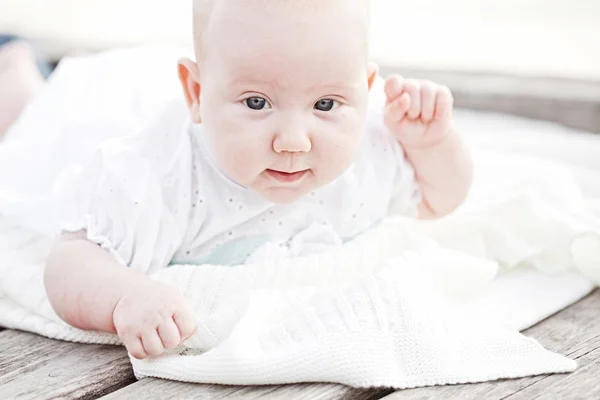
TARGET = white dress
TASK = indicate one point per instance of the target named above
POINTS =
(146, 188)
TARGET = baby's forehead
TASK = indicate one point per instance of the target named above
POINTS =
(215, 14)
(206, 7)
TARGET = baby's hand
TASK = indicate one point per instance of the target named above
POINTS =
(153, 318)
(418, 113)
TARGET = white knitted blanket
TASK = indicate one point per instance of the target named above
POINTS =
(407, 304)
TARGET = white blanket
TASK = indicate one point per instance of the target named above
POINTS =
(407, 304)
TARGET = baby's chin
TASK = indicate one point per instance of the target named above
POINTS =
(283, 195)
(280, 190)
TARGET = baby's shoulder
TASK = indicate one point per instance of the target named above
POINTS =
(157, 154)
(166, 135)
(160, 143)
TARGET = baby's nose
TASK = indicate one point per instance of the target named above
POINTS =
(292, 140)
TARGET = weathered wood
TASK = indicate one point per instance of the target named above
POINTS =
(571, 102)
(33, 367)
(574, 332)
(38, 368)
(577, 334)
(151, 389)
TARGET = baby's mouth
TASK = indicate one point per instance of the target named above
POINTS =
(286, 177)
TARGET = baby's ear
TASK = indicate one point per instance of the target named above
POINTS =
(372, 72)
(189, 76)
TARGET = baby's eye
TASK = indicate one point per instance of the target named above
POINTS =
(257, 103)
(326, 105)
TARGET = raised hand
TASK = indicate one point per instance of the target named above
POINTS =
(418, 113)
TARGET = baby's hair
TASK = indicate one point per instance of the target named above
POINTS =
(203, 9)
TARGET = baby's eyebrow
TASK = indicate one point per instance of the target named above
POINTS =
(317, 87)
(251, 80)
(335, 87)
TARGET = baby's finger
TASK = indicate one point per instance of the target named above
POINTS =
(393, 87)
(444, 103)
(152, 343)
(399, 107)
(186, 322)
(428, 97)
(396, 110)
(135, 348)
(169, 334)
(413, 88)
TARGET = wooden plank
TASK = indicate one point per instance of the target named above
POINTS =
(33, 367)
(574, 332)
(571, 102)
(38, 368)
(163, 390)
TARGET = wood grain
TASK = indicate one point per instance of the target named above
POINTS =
(571, 102)
(574, 332)
(160, 389)
(38, 368)
(33, 367)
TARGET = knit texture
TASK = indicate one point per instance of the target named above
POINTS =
(393, 308)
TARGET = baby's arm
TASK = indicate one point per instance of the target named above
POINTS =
(419, 114)
(444, 172)
(89, 290)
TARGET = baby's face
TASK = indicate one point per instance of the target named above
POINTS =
(284, 95)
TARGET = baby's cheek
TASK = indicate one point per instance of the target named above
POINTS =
(234, 160)
(334, 152)
(242, 156)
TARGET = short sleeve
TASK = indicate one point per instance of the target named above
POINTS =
(406, 192)
(129, 197)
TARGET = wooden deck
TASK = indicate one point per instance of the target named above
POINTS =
(32, 367)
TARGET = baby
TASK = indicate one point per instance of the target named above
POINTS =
(290, 143)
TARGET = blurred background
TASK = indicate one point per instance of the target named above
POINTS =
(534, 58)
